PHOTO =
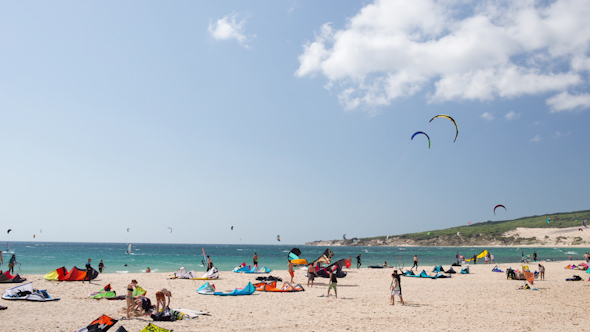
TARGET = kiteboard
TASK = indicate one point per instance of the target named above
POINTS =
(193, 313)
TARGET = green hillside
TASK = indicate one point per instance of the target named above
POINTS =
(492, 229)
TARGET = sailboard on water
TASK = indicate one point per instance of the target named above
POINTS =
(204, 260)
(8, 251)
(129, 248)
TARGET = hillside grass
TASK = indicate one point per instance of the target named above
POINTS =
(490, 229)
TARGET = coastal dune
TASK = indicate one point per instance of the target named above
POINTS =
(482, 300)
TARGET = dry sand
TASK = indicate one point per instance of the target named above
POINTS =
(549, 237)
(481, 301)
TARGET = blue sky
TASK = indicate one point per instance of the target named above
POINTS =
(290, 118)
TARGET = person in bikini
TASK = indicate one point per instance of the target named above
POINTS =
(396, 288)
(129, 296)
(161, 296)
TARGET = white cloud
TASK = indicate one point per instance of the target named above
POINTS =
(229, 27)
(559, 134)
(512, 116)
(567, 102)
(502, 49)
(488, 116)
(537, 138)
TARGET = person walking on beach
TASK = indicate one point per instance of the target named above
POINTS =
(474, 259)
(534, 256)
(541, 272)
(129, 296)
(415, 263)
(161, 296)
(310, 275)
(458, 258)
(1, 259)
(333, 283)
(88, 271)
(209, 263)
(291, 272)
(255, 259)
(101, 266)
(12, 262)
(396, 288)
(358, 261)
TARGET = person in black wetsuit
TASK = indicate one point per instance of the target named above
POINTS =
(209, 263)
(534, 256)
(100, 266)
(415, 263)
(88, 271)
(358, 261)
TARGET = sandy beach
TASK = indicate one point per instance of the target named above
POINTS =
(482, 300)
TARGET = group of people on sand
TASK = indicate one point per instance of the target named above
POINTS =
(144, 304)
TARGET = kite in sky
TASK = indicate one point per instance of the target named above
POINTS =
(232, 228)
(497, 206)
(8, 232)
(128, 230)
(278, 238)
(344, 236)
(447, 117)
(423, 133)
(170, 228)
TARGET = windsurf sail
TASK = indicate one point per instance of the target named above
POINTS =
(129, 248)
(204, 260)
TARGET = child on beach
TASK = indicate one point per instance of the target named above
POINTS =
(396, 288)
(310, 275)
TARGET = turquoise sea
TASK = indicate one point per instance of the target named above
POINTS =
(43, 257)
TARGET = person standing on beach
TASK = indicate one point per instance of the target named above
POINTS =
(1, 259)
(396, 288)
(101, 266)
(12, 262)
(129, 296)
(415, 263)
(161, 296)
(209, 263)
(291, 272)
(534, 256)
(333, 283)
(474, 259)
(88, 271)
(310, 275)
(358, 261)
(492, 258)
(541, 272)
(570, 258)
(255, 259)
(458, 258)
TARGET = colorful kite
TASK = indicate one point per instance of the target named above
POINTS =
(447, 117)
(423, 133)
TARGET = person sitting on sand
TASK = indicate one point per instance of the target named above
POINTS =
(310, 275)
(385, 264)
(396, 288)
(333, 283)
(148, 270)
(291, 272)
(129, 296)
(161, 296)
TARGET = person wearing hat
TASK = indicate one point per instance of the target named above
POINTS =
(148, 270)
